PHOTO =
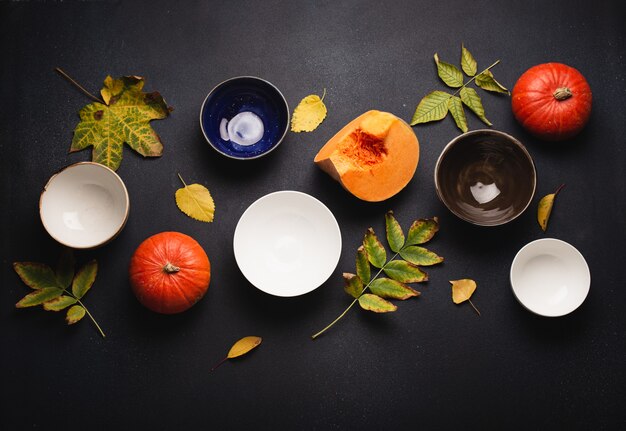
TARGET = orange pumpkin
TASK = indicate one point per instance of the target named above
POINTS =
(169, 272)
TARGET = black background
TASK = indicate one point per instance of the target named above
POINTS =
(430, 365)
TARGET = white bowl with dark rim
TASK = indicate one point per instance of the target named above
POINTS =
(84, 205)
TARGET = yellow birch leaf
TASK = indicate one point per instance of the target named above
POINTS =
(462, 291)
(196, 201)
(240, 348)
(309, 113)
(544, 208)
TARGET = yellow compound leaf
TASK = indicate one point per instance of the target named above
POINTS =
(309, 113)
(196, 201)
(544, 208)
(462, 290)
(240, 348)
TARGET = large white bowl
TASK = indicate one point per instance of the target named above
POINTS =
(287, 243)
(550, 277)
(84, 205)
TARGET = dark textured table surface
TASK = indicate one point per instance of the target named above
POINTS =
(430, 365)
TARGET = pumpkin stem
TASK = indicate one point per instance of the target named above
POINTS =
(562, 93)
(169, 268)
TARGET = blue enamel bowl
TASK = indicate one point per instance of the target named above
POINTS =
(262, 107)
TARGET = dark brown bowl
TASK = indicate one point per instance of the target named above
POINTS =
(485, 177)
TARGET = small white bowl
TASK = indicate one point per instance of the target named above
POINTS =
(287, 243)
(85, 205)
(550, 277)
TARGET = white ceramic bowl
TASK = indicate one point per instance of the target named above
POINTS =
(84, 205)
(550, 277)
(287, 243)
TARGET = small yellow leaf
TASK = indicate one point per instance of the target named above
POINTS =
(309, 113)
(544, 208)
(243, 346)
(195, 200)
(462, 291)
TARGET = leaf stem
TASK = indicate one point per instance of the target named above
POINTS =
(314, 336)
(80, 87)
(181, 180)
(91, 317)
(219, 363)
(473, 306)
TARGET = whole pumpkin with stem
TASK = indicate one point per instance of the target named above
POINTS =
(552, 101)
(169, 272)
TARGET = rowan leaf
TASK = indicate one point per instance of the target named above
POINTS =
(196, 201)
(36, 275)
(376, 253)
(74, 314)
(544, 209)
(363, 269)
(422, 231)
(420, 256)
(462, 290)
(123, 118)
(468, 63)
(395, 236)
(472, 100)
(433, 107)
(455, 106)
(59, 303)
(84, 279)
(371, 302)
(65, 268)
(309, 113)
(353, 284)
(449, 73)
(486, 81)
(404, 272)
(392, 289)
(39, 296)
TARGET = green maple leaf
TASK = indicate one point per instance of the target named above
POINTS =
(124, 117)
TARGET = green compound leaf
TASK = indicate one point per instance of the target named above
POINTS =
(36, 275)
(449, 73)
(472, 100)
(74, 314)
(405, 272)
(353, 284)
(395, 236)
(392, 289)
(433, 107)
(468, 63)
(58, 304)
(39, 296)
(422, 231)
(375, 303)
(486, 81)
(65, 268)
(84, 279)
(420, 256)
(125, 117)
(456, 109)
(376, 253)
(363, 269)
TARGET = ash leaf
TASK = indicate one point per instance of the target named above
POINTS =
(433, 107)
(468, 63)
(422, 231)
(353, 284)
(65, 268)
(420, 256)
(486, 81)
(371, 302)
(395, 236)
(392, 289)
(39, 296)
(455, 105)
(375, 250)
(472, 100)
(74, 314)
(60, 303)
(84, 279)
(404, 272)
(363, 269)
(449, 73)
(36, 275)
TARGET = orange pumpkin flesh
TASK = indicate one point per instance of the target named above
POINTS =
(169, 272)
(373, 157)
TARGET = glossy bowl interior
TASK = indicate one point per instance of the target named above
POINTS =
(84, 205)
(485, 177)
(249, 96)
(550, 277)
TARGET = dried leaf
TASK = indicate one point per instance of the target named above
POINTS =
(375, 303)
(39, 296)
(84, 279)
(462, 291)
(58, 304)
(544, 208)
(65, 268)
(125, 117)
(449, 73)
(36, 275)
(309, 113)
(486, 81)
(363, 269)
(404, 272)
(420, 256)
(455, 106)
(243, 346)
(196, 201)
(388, 288)
(395, 236)
(353, 284)
(375, 250)
(468, 63)
(472, 100)
(422, 231)
(74, 314)
(433, 107)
